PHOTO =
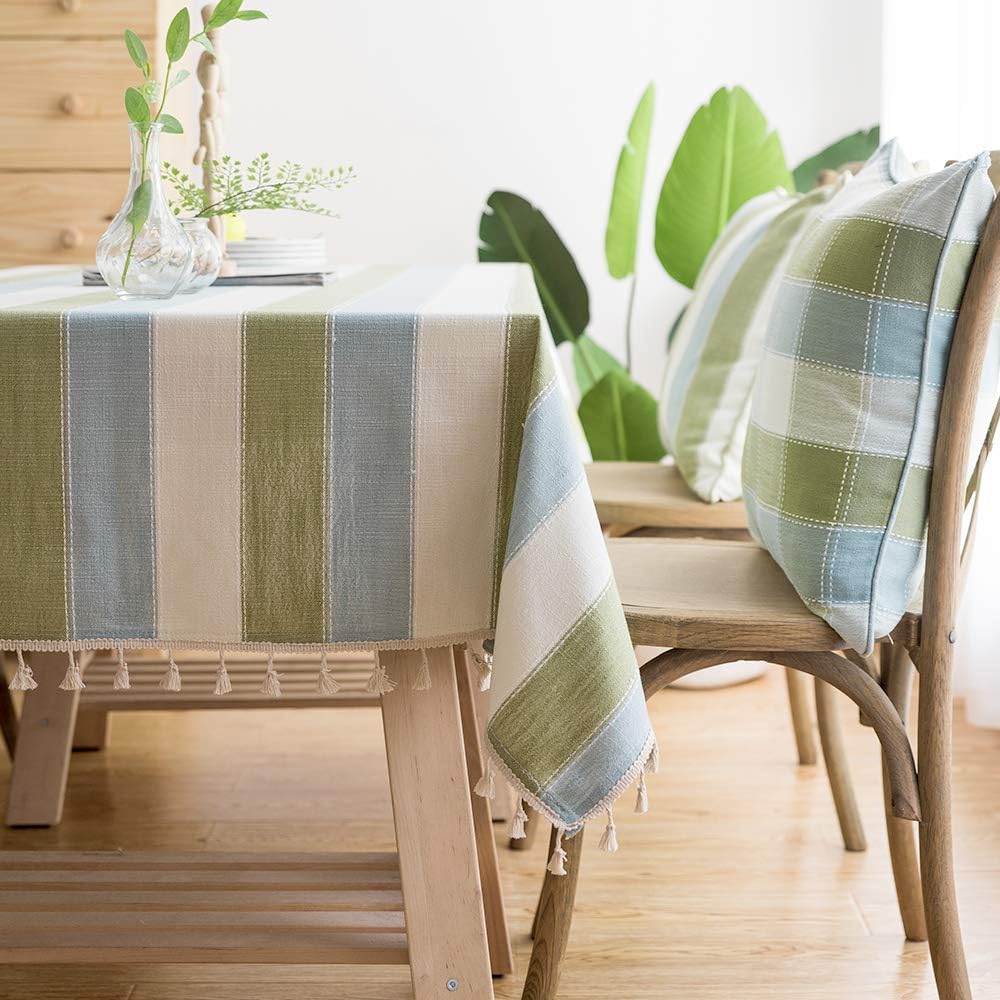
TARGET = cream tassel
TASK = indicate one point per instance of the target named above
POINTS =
(223, 685)
(557, 863)
(485, 664)
(327, 683)
(422, 681)
(122, 682)
(517, 831)
(73, 681)
(609, 842)
(642, 799)
(486, 786)
(653, 760)
(23, 679)
(379, 682)
(272, 683)
(171, 680)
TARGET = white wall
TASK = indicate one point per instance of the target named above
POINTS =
(438, 102)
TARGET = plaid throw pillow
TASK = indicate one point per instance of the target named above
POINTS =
(705, 401)
(837, 463)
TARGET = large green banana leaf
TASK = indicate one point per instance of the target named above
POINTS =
(512, 229)
(851, 149)
(619, 419)
(591, 363)
(626, 196)
(726, 156)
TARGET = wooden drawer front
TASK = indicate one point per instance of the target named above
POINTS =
(77, 18)
(62, 104)
(56, 218)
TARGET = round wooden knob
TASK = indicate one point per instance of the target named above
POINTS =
(70, 238)
(70, 6)
(71, 105)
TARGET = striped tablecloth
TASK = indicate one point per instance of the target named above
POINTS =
(384, 463)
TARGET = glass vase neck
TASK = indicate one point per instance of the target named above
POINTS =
(145, 143)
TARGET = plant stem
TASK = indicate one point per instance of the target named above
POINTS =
(142, 171)
(628, 325)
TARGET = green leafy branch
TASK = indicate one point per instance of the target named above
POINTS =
(257, 185)
(140, 101)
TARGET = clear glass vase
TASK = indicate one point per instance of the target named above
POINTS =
(207, 254)
(145, 253)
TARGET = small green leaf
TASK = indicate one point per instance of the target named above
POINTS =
(171, 125)
(225, 11)
(179, 78)
(622, 233)
(591, 363)
(251, 15)
(202, 39)
(137, 51)
(852, 148)
(136, 106)
(619, 419)
(178, 35)
(141, 201)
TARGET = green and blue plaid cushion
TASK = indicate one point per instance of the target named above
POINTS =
(837, 462)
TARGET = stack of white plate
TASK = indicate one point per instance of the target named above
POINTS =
(260, 256)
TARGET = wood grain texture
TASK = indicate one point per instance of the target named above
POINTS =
(77, 19)
(501, 956)
(57, 218)
(653, 495)
(432, 807)
(551, 924)
(838, 767)
(941, 590)
(897, 679)
(734, 884)
(68, 113)
(801, 714)
(44, 745)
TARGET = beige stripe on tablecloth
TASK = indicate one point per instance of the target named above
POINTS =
(459, 388)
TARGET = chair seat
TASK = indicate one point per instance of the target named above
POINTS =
(697, 594)
(652, 495)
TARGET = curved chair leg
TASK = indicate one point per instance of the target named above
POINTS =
(798, 702)
(837, 671)
(897, 680)
(937, 871)
(552, 922)
(838, 769)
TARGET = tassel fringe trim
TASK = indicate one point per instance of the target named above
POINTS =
(223, 685)
(379, 682)
(23, 679)
(73, 681)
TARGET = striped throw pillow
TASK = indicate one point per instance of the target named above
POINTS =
(837, 462)
(705, 401)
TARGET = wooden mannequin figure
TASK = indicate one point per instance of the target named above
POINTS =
(213, 75)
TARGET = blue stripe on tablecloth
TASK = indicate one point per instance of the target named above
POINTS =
(584, 782)
(371, 459)
(549, 468)
(109, 434)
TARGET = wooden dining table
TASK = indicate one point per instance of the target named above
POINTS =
(388, 463)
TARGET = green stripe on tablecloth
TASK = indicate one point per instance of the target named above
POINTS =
(558, 690)
(524, 369)
(32, 494)
(284, 400)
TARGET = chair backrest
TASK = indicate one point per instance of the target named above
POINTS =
(951, 451)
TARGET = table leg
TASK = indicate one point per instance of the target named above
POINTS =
(432, 810)
(44, 743)
(501, 956)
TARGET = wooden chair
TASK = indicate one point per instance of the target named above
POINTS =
(652, 499)
(718, 601)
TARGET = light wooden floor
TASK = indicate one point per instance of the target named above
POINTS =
(734, 885)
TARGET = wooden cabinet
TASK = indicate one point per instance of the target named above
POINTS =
(64, 154)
